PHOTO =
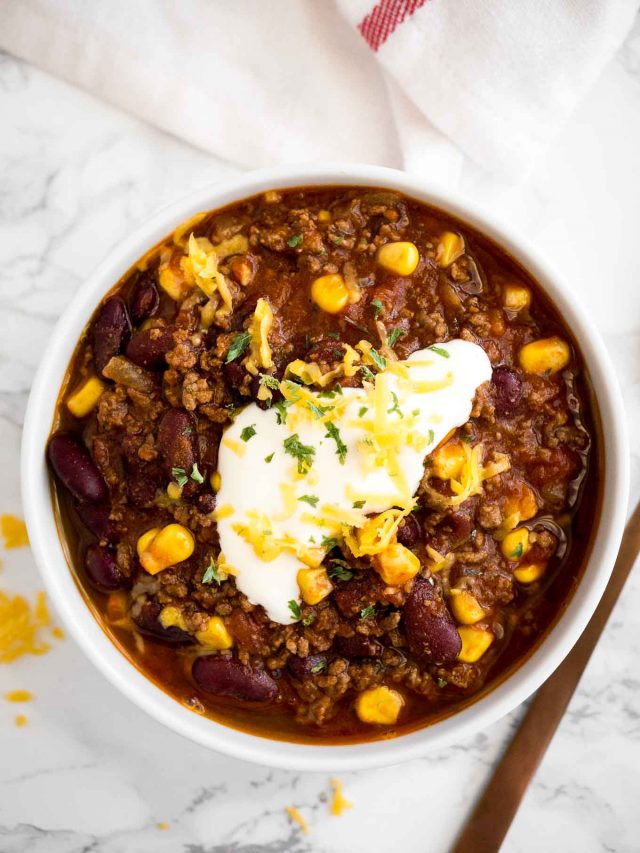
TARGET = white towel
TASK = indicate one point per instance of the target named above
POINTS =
(419, 83)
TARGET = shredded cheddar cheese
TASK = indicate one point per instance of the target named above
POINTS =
(14, 531)
(21, 721)
(296, 817)
(259, 328)
(339, 803)
(20, 626)
(18, 696)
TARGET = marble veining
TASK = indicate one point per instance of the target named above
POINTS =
(90, 772)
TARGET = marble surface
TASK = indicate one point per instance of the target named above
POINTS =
(90, 771)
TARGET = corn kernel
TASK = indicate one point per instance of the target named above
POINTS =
(216, 481)
(314, 585)
(171, 617)
(324, 216)
(515, 544)
(380, 705)
(215, 635)
(450, 247)
(401, 258)
(86, 397)
(159, 549)
(524, 505)
(530, 573)
(330, 293)
(465, 607)
(475, 642)
(396, 564)
(516, 297)
(447, 461)
(174, 491)
(546, 356)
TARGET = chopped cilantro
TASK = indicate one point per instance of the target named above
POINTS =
(394, 335)
(517, 552)
(309, 619)
(322, 664)
(362, 411)
(441, 682)
(334, 433)
(339, 570)
(270, 382)
(180, 476)
(368, 612)
(329, 542)
(415, 413)
(294, 242)
(430, 436)
(294, 607)
(195, 474)
(248, 432)
(439, 351)
(211, 573)
(318, 411)
(268, 458)
(334, 335)
(304, 453)
(281, 410)
(239, 343)
(396, 406)
(337, 388)
(379, 360)
(466, 438)
(312, 500)
(231, 409)
(367, 373)
(377, 308)
(358, 504)
(326, 393)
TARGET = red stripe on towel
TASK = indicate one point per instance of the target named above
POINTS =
(382, 20)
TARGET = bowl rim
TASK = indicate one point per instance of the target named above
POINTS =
(77, 616)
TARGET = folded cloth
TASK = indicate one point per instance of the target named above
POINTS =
(420, 83)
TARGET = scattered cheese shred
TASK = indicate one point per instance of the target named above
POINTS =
(296, 817)
(20, 625)
(21, 721)
(18, 696)
(259, 328)
(339, 803)
(14, 531)
(163, 826)
(58, 633)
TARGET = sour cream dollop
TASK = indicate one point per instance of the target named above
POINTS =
(288, 487)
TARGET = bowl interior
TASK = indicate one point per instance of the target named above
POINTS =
(49, 554)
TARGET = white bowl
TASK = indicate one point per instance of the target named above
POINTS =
(37, 498)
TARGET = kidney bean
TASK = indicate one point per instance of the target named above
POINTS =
(254, 388)
(301, 668)
(409, 532)
(246, 632)
(102, 570)
(430, 630)
(95, 518)
(358, 646)
(147, 619)
(76, 469)
(144, 299)
(149, 347)
(177, 442)
(507, 390)
(141, 488)
(228, 677)
(234, 373)
(111, 331)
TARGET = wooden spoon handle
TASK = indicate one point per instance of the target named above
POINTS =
(489, 822)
